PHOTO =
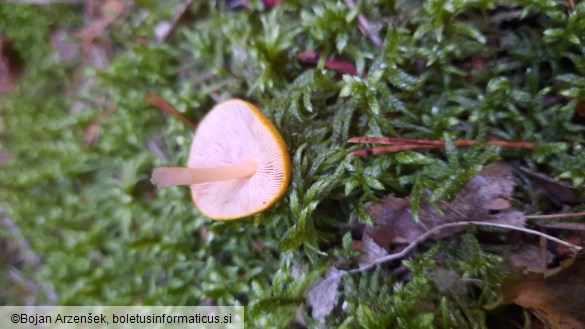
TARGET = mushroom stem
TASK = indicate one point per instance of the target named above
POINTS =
(172, 176)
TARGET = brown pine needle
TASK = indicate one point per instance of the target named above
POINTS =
(156, 100)
(389, 149)
(365, 26)
(405, 144)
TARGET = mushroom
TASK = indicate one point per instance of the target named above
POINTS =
(238, 163)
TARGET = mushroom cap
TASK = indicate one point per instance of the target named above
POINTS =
(235, 132)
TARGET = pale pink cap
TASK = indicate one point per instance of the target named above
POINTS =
(237, 132)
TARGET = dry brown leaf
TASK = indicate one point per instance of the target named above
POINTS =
(308, 57)
(528, 258)
(448, 281)
(394, 222)
(575, 238)
(341, 66)
(558, 193)
(557, 297)
(486, 193)
(485, 197)
(323, 295)
(371, 251)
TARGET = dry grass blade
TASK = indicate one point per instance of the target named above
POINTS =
(365, 26)
(156, 100)
(567, 215)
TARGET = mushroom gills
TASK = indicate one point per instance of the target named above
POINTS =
(164, 177)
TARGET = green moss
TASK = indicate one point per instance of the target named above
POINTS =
(447, 70)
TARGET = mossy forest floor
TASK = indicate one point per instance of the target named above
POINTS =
(81, 224)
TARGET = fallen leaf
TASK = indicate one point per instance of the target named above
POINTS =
(485, 197)
(371, 251)
(299, 321)
(486, 193)
(308, 57)
(394, 222)
(529, 258)
(448, 281)
(341, 66)
(323, 295)
(555, 297)
(558, 193)
(564, 252)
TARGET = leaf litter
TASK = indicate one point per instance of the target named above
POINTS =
(556, 297)
(484, 201)
(486, 197)
(323, 296)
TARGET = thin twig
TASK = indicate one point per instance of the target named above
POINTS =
(458, 142)
(440, 228)
(566, 215)
(365, 26)
(428, 234)
(156, 100)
